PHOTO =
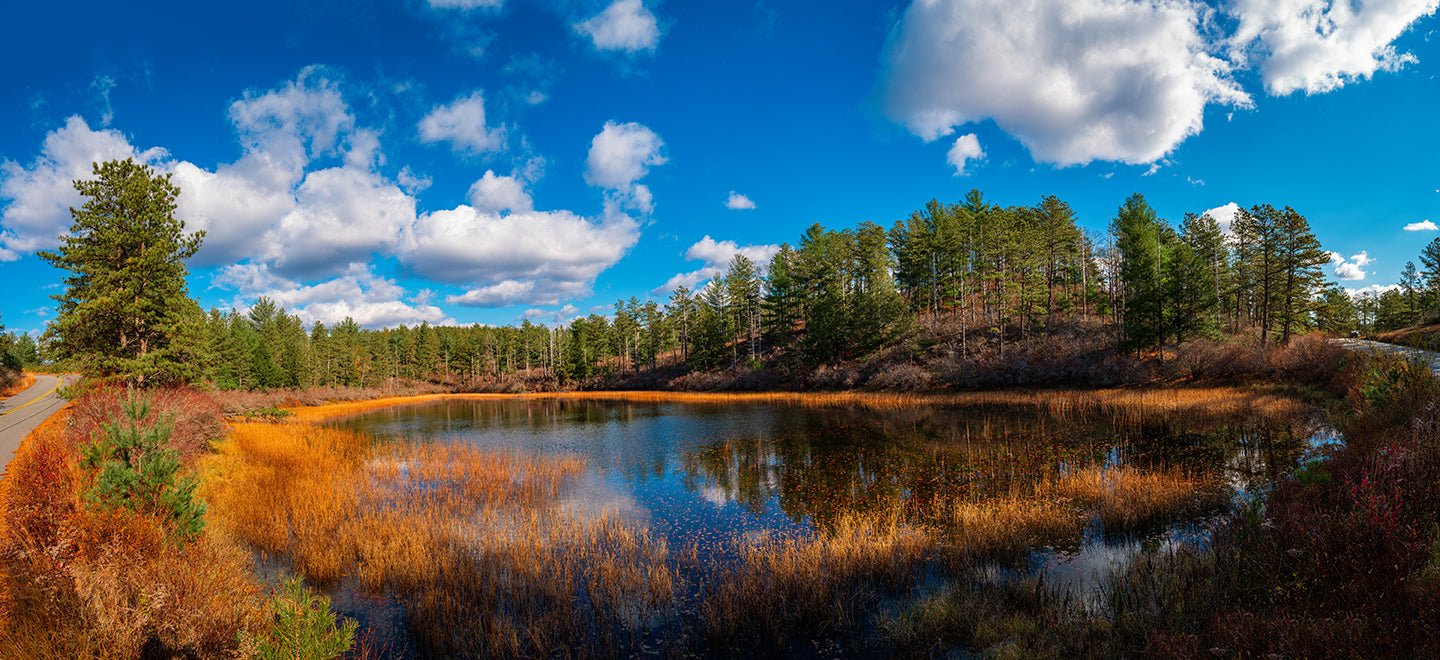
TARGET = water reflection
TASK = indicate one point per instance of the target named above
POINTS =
(701, 473)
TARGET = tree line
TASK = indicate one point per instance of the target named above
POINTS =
(980, 274)
(1414, 300)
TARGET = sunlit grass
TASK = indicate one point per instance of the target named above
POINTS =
(781, 588)
(490, 554)
(474, 543)
(20, 384)
(1127, 498)
(1128, 404)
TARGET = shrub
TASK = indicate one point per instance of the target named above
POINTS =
(903, 377)
(266, 414)
(136, 470)
(195, 419)
(304, 628)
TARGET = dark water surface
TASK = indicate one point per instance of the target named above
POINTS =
(704, 473)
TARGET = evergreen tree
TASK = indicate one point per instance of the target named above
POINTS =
(783, 299)
(1299, 259)
(1336, 312)
(126, 311)
(1137, 233)
(1430, 259)
(742, 289)
(682, 308)
(1411, 287)
(136, 470)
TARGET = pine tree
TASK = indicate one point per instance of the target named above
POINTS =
(742, 285)
(1430, 258)
(134, 469)
(1300, 259)
(126, 311)
(1411, 286)
(1138, 239)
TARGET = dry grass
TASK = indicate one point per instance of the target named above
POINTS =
(1127, 498)
(782, 589)
(20, 384)
(1010, 524)
(81, 582)
(1128, 404)
(474, 543)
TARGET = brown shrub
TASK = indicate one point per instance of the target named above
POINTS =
(196, 419)
(1312, 359)
(233, 402)
(903, 377)
(78, 581)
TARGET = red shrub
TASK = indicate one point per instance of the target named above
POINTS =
(195, 418)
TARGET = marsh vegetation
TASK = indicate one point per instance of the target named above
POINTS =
(544, 525)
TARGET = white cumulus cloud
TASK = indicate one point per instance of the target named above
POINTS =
(1224, 215)
(965, 149)
(1077, 81)
(1352, 268)
(493, 194)
(360, 294)
(1316, 46)
(532, 257)
(620, 155)
(462, 123)
(716, 256)
(1423, 225)
(626, 25)
(739, 202)
(38, 196)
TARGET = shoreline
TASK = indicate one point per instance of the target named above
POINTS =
(1221, 400)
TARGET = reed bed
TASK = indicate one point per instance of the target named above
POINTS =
(1054, 511)
(489, 557)
(1127, 404)
(1010, 524)
(1126, 498)
(474, 543)
(781, 589)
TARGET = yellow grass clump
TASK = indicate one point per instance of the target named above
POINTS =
(1126, 497)
(1010, 524)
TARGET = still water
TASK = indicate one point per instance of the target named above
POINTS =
(702, 474)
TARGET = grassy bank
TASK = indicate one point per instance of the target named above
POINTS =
(92, 565)
(12, 384)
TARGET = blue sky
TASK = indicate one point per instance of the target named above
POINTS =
(491, 160)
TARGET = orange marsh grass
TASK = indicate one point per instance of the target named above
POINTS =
(488, 559)
(473, 542)
(1128, 403)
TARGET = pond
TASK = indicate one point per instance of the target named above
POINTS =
(702, 478)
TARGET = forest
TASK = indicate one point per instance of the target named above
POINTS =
(974, 277)
(954, 288)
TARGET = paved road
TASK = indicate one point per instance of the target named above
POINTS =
(1429, 357)
(20, 414)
